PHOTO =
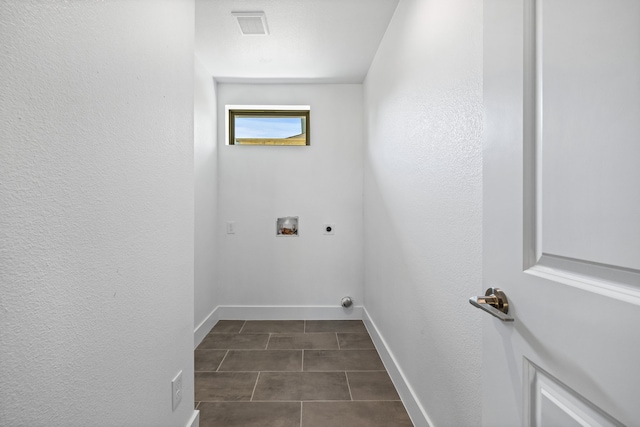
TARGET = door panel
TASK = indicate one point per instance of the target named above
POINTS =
(562, 211)
(552, 403)
(589, 91)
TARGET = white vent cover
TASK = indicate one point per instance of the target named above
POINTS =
(252, 23)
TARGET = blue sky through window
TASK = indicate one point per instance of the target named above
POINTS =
(267, 127)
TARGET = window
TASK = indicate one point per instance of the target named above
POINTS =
(267, 124)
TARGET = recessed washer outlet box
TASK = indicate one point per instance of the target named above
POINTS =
(287, 226)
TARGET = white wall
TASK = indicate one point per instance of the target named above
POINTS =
(319, 183)
(423, 103)
(206, 192)
(96, 194)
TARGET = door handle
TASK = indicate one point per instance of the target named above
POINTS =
(493, 302)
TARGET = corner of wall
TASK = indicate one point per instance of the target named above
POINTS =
(206, 193)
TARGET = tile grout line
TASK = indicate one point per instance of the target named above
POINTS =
(266, 371)
(338, 341)
(223, 359)
(301, 413)
(323, 370)
(254, 387)
(268, 339)
(344, 350)
(298, 401)
(348, 385)
(242, 327)
(257, 349)
(302, 364)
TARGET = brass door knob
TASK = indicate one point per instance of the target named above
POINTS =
(493, 302)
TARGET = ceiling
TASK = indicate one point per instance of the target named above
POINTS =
(322, 41)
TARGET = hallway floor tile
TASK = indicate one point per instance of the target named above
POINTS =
(298, 373)
(263, 360)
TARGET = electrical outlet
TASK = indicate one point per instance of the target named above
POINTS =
(176, 390)
(231, 227)
(329, 229)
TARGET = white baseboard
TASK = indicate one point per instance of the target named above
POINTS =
(272, 312)
(287, 312)
(417, 413)
(203, 328)
(195, 420)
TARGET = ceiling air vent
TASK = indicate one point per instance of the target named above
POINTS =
(252, 23)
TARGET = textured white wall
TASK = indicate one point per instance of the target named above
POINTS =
(423, 120)
(206, 192)
(319, 183)
(96, 194)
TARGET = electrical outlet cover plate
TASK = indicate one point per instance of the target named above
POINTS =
(329, 229)
(176, 390)
(231, 227)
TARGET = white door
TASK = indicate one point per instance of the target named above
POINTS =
(562, 212)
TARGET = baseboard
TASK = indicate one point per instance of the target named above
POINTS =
(287, 312)
(203, 328)
(417, 413)
(272, 312)
(195, 420)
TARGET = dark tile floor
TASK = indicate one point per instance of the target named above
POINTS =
(293, 373)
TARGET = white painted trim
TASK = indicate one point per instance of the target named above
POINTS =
(194, 421)
(416, 411)
(272, 312)
(621, 292)
(275, 312)
(205, 327)
(539, 383)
